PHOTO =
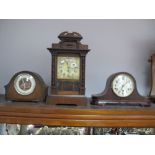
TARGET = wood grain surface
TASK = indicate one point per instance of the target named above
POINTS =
(80, 116)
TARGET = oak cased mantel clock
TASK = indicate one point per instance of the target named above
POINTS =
(26, 86)
(120, 89)
(68, 70)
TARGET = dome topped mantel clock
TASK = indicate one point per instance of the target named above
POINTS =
(68, 70)
(26, 86)
(121, 89)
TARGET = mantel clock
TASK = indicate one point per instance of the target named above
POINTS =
(68, 70)
(120, 89)
(26, 86)
(152, 92)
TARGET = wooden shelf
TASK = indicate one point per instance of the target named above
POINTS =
(80, 116)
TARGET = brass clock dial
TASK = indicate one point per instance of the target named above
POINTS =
(123, 85)
(68, 68)
(24, 84)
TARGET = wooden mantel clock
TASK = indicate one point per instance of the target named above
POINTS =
(120, 89)
(26, 86)
(152, 92)
(68, 70)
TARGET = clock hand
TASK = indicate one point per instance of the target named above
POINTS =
(124, 84)
(23, 83)
(123, 87)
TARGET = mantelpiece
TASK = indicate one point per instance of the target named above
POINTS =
(80, 116)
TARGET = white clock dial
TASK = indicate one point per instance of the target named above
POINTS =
(24, 84)
(123, 85)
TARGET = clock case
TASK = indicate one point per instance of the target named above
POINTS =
(152, 92)
(69, 91)
(39, 94)
(108, 97)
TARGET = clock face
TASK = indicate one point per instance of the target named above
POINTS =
(123, 85)
(68, 68)
(24, 84)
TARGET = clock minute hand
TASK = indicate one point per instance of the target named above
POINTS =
(124, 84)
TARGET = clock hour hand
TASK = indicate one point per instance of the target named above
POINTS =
(23, 84)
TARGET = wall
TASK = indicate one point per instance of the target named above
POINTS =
(116, 45)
